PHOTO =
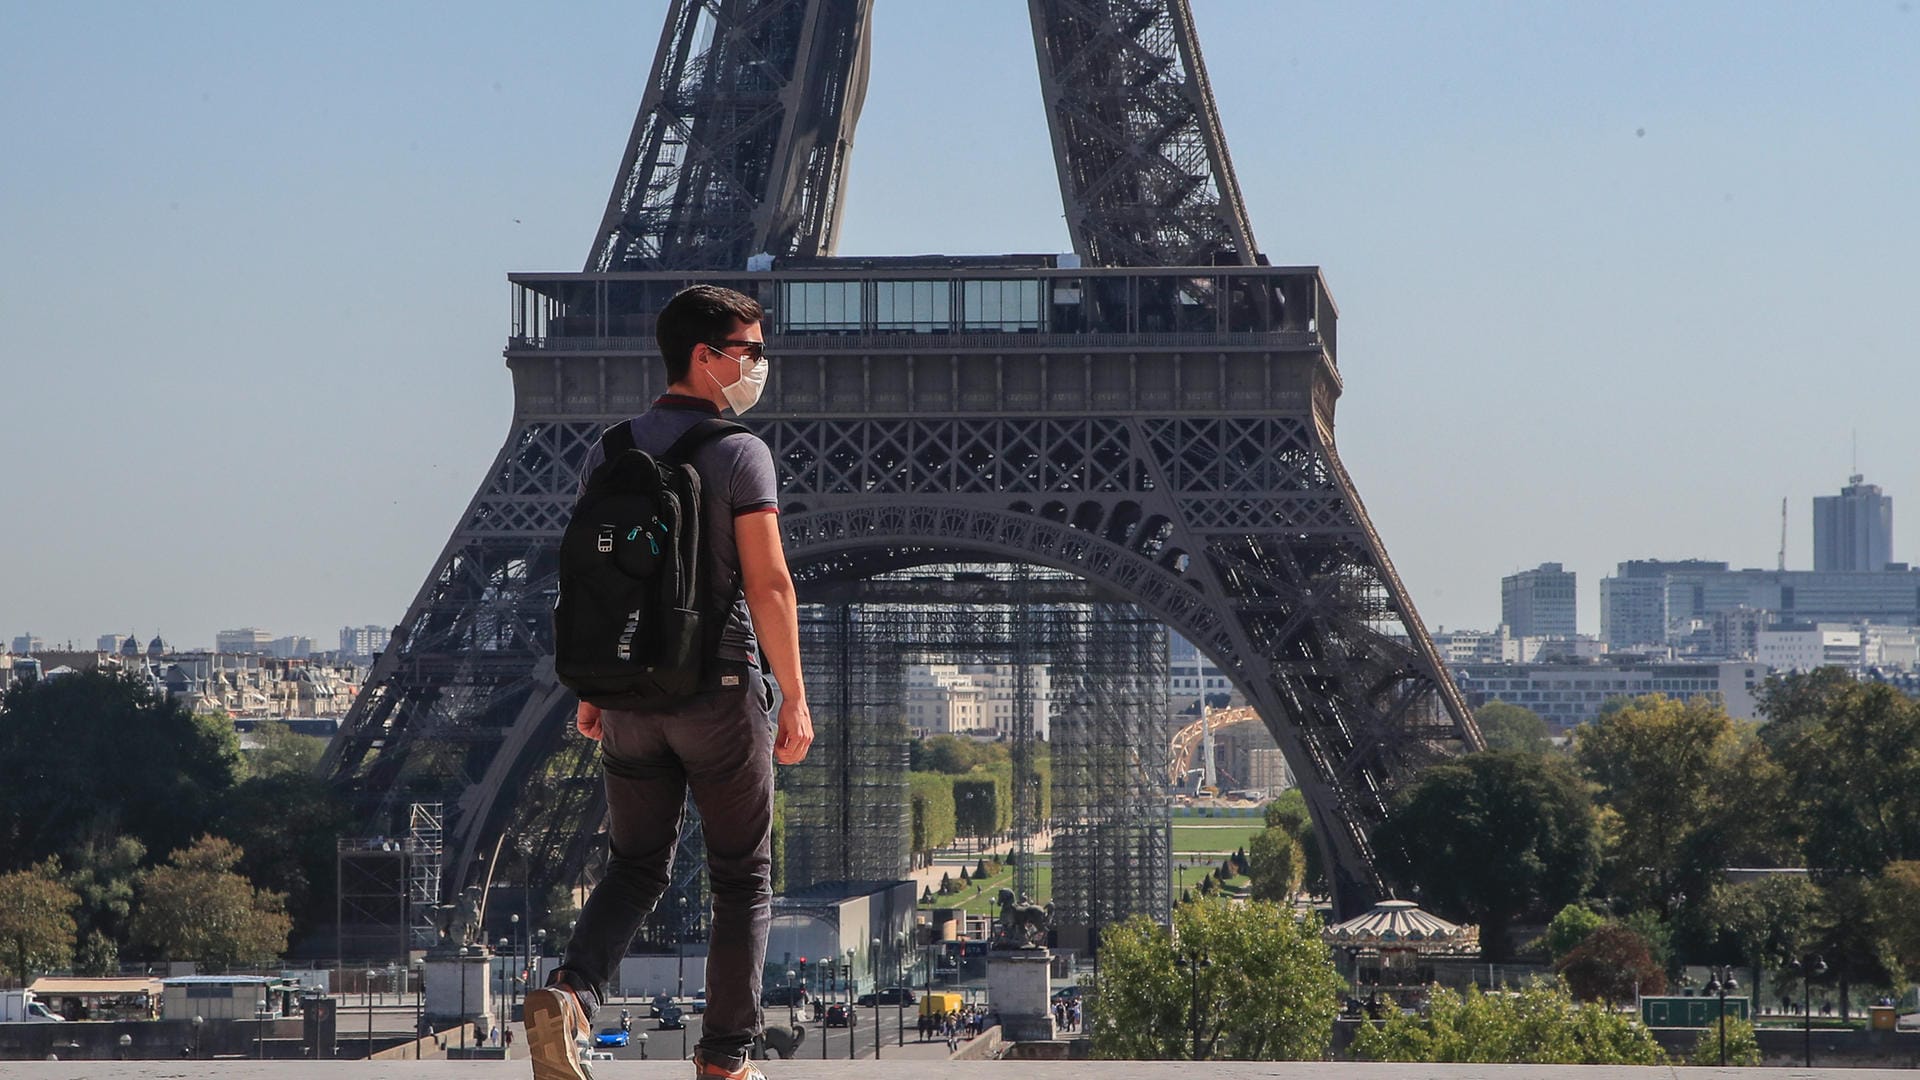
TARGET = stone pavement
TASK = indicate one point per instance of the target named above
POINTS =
(921, 1070)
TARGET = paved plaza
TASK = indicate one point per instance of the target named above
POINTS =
(921, 1070)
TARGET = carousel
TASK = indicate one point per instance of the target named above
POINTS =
(1389, 950)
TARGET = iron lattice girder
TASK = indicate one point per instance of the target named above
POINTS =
(1144, 171)
(742, 138)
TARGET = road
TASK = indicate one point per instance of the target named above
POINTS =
(670, 1044)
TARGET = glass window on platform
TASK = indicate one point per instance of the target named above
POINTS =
(1000, 305)
(921, 307)
(822, 306)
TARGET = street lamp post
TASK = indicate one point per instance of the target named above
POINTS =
(1720, 982)
(900, 980)
(852, 1013)
(506, 993)
(198, 1022)
(371, 975)
(680, 987)
(514, 981)
(419, 1011)
(1809, 969)
(826, 998)
(873, 971)
(1194, 961)
(789, 997)
(463, 1001)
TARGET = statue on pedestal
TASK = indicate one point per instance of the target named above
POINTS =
(1022, 924)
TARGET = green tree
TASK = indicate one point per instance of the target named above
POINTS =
(1276, 865)
(977, 804)
(1288, 811)
(1854, 773)
(102, 872)
(1612, 966)
(197, 908)
(934, 825)
(1743, 1046)
(1570, 928)
(1489, 837)
(1763, 923)
(1792, 701)
(1892, 901)
(954, 755)
(36, 921)
(98, 956)
(1540, 1024)
(1845, 935)
(60, 740)
(1512, 728)
(288, 825)
(278, 749)
(1690, 792)
(1268, 992)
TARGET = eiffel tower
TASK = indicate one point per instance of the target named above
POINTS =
(1152, 413)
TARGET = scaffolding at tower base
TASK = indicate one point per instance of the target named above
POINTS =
(849, 814)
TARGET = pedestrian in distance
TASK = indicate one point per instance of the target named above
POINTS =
(703, 727)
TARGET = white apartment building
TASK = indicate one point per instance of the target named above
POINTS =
(1854, 646)
(1188, 679)
(363, 641)
(979, 699)
(250, 639)
(1570, 694)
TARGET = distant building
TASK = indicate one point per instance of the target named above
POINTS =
(1502, 646)
(1633, 602)
(111, 643)
(249, 640)
(28, 644)
(1267, 771)
(1853, 531)
(1539, 602)
(1570, 694)
(1651, 602)
(362, 642)
(1193, 677)
(978, 699)
(1858, 647)
(294, 647)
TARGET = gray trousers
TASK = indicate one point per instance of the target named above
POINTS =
(718, 745)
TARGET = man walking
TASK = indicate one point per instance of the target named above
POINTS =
(715, 743)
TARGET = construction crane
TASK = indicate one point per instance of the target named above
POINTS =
(1783, 532)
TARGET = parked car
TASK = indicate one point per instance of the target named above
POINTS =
(611, 1036)
(1067, 993)
(838, 1015)
(890, 995)
(796, 996)
(699, 1001)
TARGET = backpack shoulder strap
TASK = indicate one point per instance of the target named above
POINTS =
(699, 435)
(616, 440)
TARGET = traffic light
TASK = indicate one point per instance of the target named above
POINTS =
(846, 972)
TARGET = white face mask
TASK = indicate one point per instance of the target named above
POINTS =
(745, 393)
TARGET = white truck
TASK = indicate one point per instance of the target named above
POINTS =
(20, 1007)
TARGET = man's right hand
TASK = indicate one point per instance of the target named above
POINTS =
(795, 733)
(587, 719)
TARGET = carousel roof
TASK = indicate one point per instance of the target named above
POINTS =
(1400, 924)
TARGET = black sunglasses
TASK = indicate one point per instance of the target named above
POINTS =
(753, 350)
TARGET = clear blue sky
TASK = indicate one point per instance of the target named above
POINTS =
(1614, 278)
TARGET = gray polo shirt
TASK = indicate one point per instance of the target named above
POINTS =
(736, 478)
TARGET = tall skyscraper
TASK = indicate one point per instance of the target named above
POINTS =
(1538, 602)
(363, 641)
(28, 644)
(1854, 529)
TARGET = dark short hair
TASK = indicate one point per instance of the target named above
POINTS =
(700, 314)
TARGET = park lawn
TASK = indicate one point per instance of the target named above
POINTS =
(1227, 838)
(1189, 877)
(985, 901)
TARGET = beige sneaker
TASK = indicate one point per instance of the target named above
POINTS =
(706, 1070)
(555, 1025)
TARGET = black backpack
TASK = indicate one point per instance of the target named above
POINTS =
(628, 629)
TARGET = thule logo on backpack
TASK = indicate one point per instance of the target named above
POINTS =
(627, 633)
